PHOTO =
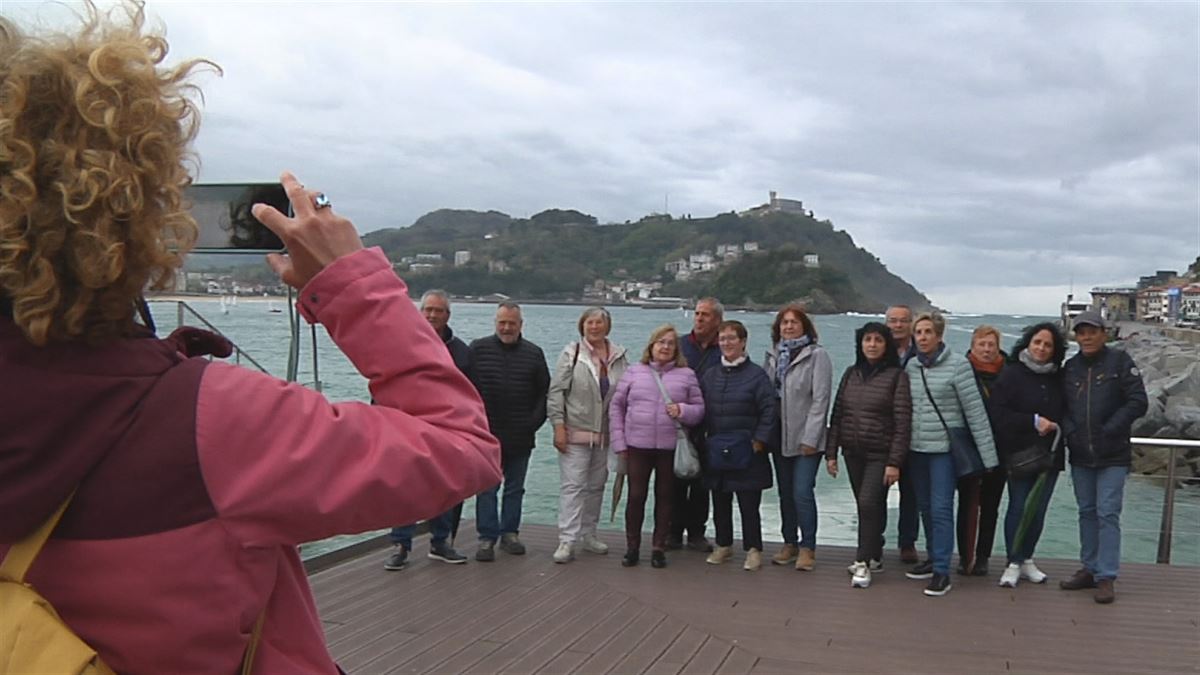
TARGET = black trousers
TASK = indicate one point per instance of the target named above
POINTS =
(749, 502)
(866, 480)
(978, 510)
(689, 508)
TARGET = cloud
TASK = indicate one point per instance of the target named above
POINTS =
(1013, 147)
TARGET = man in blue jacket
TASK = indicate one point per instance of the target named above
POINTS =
(1104, 395)
(689, 508)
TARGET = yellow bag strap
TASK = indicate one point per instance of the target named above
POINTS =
(255, 638)
(22, 554)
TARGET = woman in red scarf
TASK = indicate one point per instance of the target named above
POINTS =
(979, 496)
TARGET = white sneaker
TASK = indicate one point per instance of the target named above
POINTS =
(593, 545)
(862, 576)
(1031, 572)
(565, 553)
(873, 565)
(1012, 574)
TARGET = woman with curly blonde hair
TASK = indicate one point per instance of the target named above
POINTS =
(187, 484)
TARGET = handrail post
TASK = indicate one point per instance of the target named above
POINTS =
(1168, 512)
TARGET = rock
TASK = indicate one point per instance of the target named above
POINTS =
(1181, 416)
(1186, 383)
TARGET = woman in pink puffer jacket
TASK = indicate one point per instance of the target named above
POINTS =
(643, 426)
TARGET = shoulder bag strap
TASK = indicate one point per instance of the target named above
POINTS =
(663, 389)
(571, 377)
(925, 384)
(22, 554)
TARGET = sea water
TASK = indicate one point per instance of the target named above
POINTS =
(264, 334)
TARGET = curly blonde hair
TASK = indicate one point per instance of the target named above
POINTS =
(95, 138)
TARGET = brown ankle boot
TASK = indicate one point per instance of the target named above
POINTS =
(1105, 593)
(1080, 580)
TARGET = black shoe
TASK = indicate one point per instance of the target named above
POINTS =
(446, 554)
(674, 543)
(981, 568)
(962, 570)
(486, 551)
(658, 560)
(700, 544)
(398, 560)
(908, 555)
(630, 559)
(921, 571)
(939, 585)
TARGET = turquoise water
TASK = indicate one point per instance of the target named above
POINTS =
(264, 335)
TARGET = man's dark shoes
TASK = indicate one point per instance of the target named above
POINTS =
(398, 560)
(630, 559)
(921, 571)
(511, 544)
(486, 551)
(1080, 580)
(658, 560)
(908, 555)
(939, 585)
(981, 568)
(442, 551)
(700, 544)
(674, 543)
(1105, 593)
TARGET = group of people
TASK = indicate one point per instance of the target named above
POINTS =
(154, 500)
(895, 418)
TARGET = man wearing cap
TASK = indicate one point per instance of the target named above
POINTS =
(1104, 395)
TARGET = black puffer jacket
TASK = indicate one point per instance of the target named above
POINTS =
(512, 381)
(459, 351)
(872, 415)
(1016, 396)
(1104, 396)
(740, 398)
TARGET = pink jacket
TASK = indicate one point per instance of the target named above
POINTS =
(637, 415)
(197, 480)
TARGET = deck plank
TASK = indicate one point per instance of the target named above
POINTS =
(525, 614)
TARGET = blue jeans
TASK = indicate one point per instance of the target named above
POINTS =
(1099, 493)
(439, 530)
(492, 519)
(797, 478)
(1018, 494)
(934, 482)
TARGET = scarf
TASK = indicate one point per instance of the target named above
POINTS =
(734, 363)
(928, 360)
(989, 368)
(785, 349)
(1033, 365)
(868, 369)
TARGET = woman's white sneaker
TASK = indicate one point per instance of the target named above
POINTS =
(1012, 574)
(861, 577)
(565, 553)
(1031, 572)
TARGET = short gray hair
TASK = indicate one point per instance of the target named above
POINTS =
(717, 307)
(508, 304)
(435, 293)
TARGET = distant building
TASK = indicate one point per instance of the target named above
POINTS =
(701, 262)
(750, 246)
(776, 204)
(812, 260)
(429, 258)
(1152, 304)
(1115, 303)
(1190, 303)
(676, 266)
(497, 266)
(461, 258)
(1159, 278)
(419, 267)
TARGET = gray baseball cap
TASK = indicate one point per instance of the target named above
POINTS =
(1088, 318)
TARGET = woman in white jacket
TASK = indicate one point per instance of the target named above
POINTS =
(802, 373)
(584, 380)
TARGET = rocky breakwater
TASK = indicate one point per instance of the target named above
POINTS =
(1171, 371)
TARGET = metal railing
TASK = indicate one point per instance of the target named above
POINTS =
(238, 353)
(1166, 529)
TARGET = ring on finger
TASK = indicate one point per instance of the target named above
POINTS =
(320, 201)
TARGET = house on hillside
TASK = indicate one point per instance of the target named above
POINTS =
(775, 204)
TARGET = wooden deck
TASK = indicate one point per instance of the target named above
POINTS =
(529, 615)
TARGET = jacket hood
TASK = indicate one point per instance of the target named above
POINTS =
(63, 408)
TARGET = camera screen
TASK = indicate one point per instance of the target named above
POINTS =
(222, 212)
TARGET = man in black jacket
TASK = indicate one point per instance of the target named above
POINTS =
(1104, 395)
(435, 307)
(511, 375)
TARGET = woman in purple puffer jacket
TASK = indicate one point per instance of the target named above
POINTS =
(642, 425)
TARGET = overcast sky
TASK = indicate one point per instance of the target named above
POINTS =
(990, 154)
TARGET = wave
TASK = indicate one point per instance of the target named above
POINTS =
(861, 314)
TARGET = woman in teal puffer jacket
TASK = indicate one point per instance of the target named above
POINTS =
(942, 382)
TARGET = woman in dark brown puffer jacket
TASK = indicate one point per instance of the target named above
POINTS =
(871, 422)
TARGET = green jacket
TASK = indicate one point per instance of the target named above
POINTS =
(951, 382)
